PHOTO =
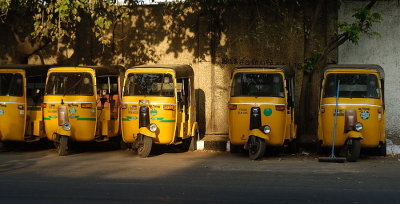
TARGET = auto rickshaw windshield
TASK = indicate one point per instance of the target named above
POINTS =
(143, 84)
(352, 86)
(73, 83)
(257, 84)
(11, 84)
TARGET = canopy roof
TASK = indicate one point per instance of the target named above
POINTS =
(375, 67)
(285, 68)
(181, 70)
(30, 70)
(111, 70)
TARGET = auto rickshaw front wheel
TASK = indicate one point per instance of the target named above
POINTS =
(62, 146)
(256, 148)
(353, 150)
(144, 147)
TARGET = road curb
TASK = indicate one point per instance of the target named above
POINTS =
(212, 145)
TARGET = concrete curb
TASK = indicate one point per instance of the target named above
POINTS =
(393, 149)
(223, 145)
(212, 145)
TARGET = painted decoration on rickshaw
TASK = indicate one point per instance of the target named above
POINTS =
(364, 115)
(267, 111)
(72, 111)
(153, 112)
(1, 112)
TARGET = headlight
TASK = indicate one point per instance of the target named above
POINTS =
(66, 126)
(153, 127)
(267, 129)
(358, 127)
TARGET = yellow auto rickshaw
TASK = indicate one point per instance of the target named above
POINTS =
(261, 109)
(21, 93)
(81, 104)
(158, 106)
(352, 109)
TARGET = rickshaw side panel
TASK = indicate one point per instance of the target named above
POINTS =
(35, 122)
(12, 125)
(13, 119)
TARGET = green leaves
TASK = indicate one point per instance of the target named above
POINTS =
(309, 63)
(364, 19)
(60, 19)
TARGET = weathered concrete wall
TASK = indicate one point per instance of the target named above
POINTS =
(384, 50)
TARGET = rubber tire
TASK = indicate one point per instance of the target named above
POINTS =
(144, 149)
(382, 150)
(353, 153)
(256, 148)
(293, 147)
(5, 146)
(62, 147)
(193, 143)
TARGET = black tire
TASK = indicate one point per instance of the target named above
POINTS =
(234, 148)
(62, 147)
(256, 148)
(144, 147)
(193, 143)
(293, 147)
(318, 148)
(353, 152)
(5, 146)
(123, 145)
(382, 150)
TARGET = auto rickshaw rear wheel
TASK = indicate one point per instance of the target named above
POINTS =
(382, 149)
(144, 147)
(353, 150)
(256, 148)
(6, 146)
(62, 146)
(293, 147)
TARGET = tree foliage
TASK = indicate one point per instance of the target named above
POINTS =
(54, 20)
(364, 19)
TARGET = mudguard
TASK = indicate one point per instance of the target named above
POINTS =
(259, 133)
(61, 131)
(354, 135)
(194, 128)
(147, 132)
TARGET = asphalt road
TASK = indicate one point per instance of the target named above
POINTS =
(119, 176)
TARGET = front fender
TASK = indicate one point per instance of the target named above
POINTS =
(61, 131)
(354, 135)
(147, 132)
(194, 129)
(259, 133)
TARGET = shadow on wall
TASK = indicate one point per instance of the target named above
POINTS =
(201, 111)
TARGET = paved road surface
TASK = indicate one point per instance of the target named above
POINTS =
(119, 176)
